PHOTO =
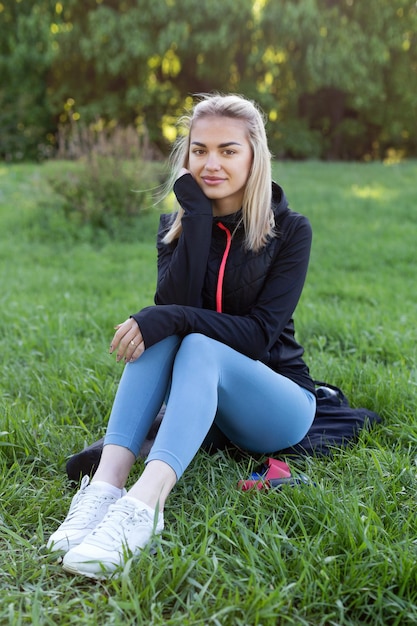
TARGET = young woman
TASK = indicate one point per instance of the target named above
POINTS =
(218, 347)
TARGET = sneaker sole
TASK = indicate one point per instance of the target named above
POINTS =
(72, 569)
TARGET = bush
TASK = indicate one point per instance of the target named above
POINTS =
(110, 184)
(104, 193)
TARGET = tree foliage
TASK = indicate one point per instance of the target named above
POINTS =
(337, 78)
(349, 71)
(26, 55)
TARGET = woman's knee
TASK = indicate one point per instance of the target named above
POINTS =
(196, 343)
(196, 347)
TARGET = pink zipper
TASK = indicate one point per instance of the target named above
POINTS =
(220, 278)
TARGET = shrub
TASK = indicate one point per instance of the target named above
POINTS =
(105, 193)
(110, 185)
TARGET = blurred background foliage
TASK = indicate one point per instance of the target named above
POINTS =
(336, 78)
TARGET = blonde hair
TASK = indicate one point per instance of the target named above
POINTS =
(257, 215)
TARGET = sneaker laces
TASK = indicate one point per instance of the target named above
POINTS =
(119, 516)
(84, 504)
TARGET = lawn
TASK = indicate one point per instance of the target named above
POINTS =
(341, 553)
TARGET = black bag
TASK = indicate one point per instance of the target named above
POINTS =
(336, 425)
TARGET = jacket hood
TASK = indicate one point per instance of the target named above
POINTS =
(279, 206)
(279, 200)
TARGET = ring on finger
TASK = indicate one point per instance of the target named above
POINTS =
(132, 343)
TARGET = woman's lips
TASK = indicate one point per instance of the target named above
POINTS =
(212, 180)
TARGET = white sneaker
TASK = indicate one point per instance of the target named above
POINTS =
(126, 529)
(88, 507)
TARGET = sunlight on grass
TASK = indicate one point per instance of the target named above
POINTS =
(394, 157)
(368, 192)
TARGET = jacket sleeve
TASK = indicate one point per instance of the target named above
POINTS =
(182, 264)
(255, 332)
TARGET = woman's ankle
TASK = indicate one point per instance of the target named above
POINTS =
(115, 465)
(154, 485)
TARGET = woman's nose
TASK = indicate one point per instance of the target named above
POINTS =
(212, 162)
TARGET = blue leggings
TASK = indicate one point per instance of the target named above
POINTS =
(203, 382)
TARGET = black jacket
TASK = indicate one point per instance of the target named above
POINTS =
(251, 307)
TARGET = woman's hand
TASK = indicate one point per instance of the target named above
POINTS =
(182, 172)
(128, 341)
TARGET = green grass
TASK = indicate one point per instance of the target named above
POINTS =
(342, 553)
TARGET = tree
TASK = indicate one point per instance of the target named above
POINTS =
(337, 78)
(137, 61)
(25, 57)
(349, 74)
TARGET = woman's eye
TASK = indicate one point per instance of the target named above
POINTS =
(229, 152)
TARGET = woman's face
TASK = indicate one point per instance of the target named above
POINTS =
(220, 160)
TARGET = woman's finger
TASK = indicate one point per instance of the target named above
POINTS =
(137, 351)
(131, 345)
(121, 330)
(127, 341)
